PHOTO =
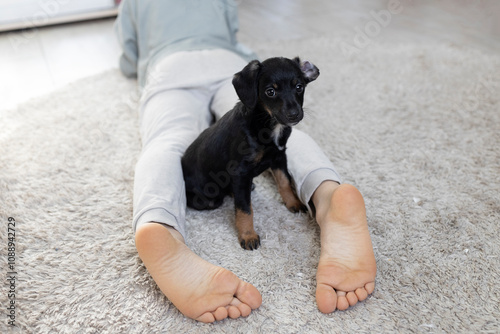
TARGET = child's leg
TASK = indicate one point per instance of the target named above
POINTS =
(200, 290)
(170, 121)
(347, 267)
(308, 165)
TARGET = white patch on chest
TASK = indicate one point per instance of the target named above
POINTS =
(278, 129)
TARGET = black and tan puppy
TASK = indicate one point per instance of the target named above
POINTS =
(249, 139)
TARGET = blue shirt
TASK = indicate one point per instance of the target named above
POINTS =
(149, 30)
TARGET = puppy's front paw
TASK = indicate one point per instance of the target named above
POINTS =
(295, 206)
(250, 242)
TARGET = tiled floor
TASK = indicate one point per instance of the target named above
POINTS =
(36, 62)
(40, 61)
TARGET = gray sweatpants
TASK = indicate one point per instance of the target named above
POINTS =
(183, 93)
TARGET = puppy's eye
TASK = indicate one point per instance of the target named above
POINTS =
(299, 88)
(270, 92)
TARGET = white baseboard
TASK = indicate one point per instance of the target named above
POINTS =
(92, 15)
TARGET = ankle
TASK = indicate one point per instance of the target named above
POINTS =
(154, 238)
(341, 204)
(321, 199)
(176, 234)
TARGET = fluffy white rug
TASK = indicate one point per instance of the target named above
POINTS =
(415, 128)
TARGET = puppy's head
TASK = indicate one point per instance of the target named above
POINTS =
(277, 85)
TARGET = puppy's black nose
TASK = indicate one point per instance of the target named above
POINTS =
(294, 115)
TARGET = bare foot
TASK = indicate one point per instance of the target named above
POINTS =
(347, 267)
(199, 289)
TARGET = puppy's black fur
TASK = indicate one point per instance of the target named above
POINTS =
(249, 139)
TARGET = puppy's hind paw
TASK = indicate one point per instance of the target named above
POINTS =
(250, 243)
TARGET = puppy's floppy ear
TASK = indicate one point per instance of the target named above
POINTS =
(308, 69)
(246, 85)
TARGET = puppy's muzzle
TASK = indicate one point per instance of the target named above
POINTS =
(293, 116)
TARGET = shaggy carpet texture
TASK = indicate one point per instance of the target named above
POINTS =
(415, 127)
